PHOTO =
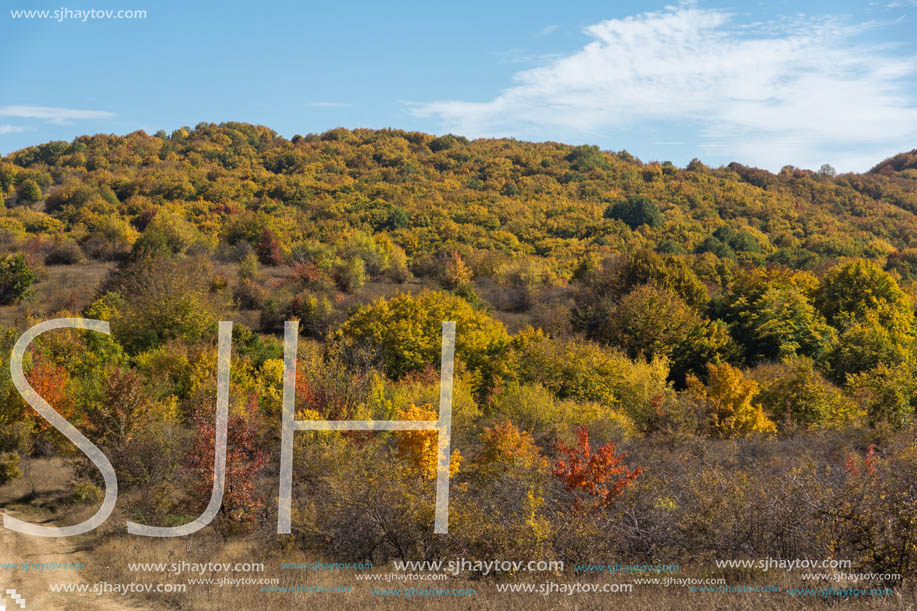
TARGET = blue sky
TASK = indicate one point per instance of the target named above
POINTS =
(763, 83)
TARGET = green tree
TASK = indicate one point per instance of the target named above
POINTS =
(165, 299)
(407, 330)
(635, 211)
(864, 345)
(587, 372)
(604, 284)
(651, 322)
(397, 219)
(887, 393)
(16, 279)
(28, 191)
(851, 290)
(771, 317)
(793, 393)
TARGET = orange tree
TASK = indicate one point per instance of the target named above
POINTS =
(594, 477)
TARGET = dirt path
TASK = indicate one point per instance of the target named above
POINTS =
(34, 585)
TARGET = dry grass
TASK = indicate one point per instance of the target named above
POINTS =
(107, 552)
(59, 287)
(44, 487)
(115, 552)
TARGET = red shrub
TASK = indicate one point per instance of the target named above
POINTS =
(594, 477)
(243, 461)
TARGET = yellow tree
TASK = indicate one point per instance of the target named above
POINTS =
(728, 395)
(421, 448)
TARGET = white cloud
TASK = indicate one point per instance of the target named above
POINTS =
(6, 128)
(795, 90)
(548, 30)
(52, 114)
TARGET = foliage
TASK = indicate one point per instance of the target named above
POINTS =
(595, 477)
(28, 192)
(421, 448)
(164, 299)
(534, 408)
(588, 287)
(635, 211)
(649, 322)
(244, 460)
(729, 394)
(794, 393)
(505, 446)
(584, 371)
(886, 393)
(9, 467)
(851, 291)
(51, 382)
(16, 278)
(772, 317)
(407, 329)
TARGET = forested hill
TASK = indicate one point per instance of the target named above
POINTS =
(593, 274)
(225, 184)
(749, 338)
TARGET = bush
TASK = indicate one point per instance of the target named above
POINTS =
(455, 272)
(249, 295)
(17, 437)
(268, 248)
(886, 393)
(84, 491)
(9, 467)
(586, 372)
(594, 478)
(64, 252)
(534, 408)
(166, 234)
(408, 331)
(350, 275)
(16, 279)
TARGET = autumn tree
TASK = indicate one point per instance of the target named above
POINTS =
(505, 446)
(51, 381)
(594, 477)
(421, 448)
(793, 393)
(28, 191)
(268, 248)
(164, 299)
(407, 330)
(649, 322)
(849, 291)
(244, 459)
(728, 395)
(771, 317)
(121, 409)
